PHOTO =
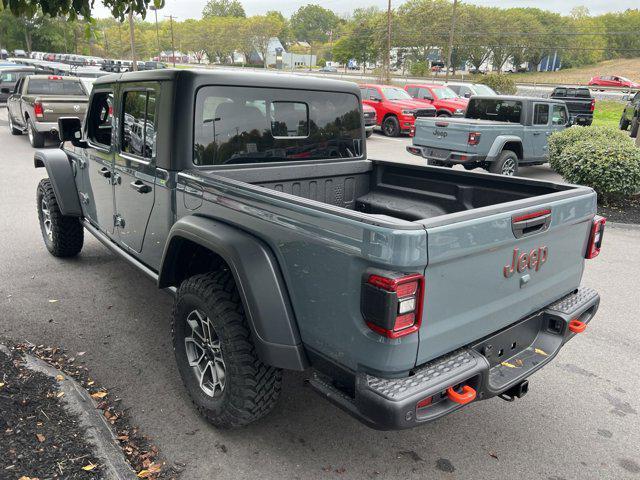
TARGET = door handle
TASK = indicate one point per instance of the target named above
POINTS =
(536, 133)
(140, 187)
(105, 172)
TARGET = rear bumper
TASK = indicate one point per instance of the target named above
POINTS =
(449, 157)
(491, 366)
(583, 118)
(46, 127)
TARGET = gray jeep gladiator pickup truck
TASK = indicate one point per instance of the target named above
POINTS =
(497, 133)
(405, 291)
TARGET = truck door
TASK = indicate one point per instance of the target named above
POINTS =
(538, 133)
(13, 104)
(135, 166)
(96, 161)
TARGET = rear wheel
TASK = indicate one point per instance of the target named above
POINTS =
(506, 164)
(36, 139)
(216, 357)
(369, 133)
(63, 235)
(635, 124)
(444, 114)
(391, 127)
(624, 123)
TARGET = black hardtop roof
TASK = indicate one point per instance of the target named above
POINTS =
(240, 77)
(515, 98)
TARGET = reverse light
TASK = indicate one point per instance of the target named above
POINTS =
(595, 237)
(392, 303)
(474, 138)
(38, 110)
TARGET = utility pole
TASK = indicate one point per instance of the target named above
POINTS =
(155, 10)
(173, 47)
(134, 63)
(451, 34)
(387, 57)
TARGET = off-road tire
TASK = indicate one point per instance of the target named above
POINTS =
(369, 133)
(36, 139)
(67, 233)
(506, 164)
(391, 126)
(444, 113)
(251, 388)
(635, 125)
(624, 123)
(12, 128)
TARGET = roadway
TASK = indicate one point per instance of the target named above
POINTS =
(579, 421)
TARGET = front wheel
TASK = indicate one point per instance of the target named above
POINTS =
(36, 139)
(369, 133)
(506, 164)
(216, 357)
(12, 127)
(391, 127)
(63, 235)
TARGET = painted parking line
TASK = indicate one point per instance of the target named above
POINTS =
(380, 137)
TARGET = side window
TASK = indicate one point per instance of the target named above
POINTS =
(455, 88)
(425, 94)
(138, 136)
(374, 94)
(559, 116)
(289, 119)
(465, 92)
(541, 114)
(100, 119)
(413, 91)
(363, 94)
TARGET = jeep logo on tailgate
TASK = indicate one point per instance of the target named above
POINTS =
(526, 261)
(440, 133)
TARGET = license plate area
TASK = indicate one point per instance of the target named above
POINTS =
(438, 153)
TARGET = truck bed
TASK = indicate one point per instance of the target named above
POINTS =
(390, 192)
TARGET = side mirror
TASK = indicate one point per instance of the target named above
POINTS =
(70, 130)
(467, 95)
(5, 90)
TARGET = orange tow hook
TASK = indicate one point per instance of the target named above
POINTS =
(467, 395)
(576, 326)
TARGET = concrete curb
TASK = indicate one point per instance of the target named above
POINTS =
(99, 432)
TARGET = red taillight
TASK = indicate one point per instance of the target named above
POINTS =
(54, 77)
(38, 110)
(595, 237)
(593, 104)
(474, 138)
(425, 402)
(392, 303)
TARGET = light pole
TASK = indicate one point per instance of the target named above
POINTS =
(451, 33)
(387, 57)
(155, 11)
(134, 63)
(173, 47)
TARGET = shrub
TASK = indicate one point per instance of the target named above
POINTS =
(609, 166)
(502, 84)
(419, 69)
(565, 138)
(321, 62)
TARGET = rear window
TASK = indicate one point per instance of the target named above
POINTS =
(236, 125)
(498, 110)
(42, 86)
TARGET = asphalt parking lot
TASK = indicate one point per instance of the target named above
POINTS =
(579, 421)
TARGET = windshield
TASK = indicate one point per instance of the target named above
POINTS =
(623, 79)
(391, 93)
(41, 86)
(444, 93)
(497, 110)
(484, 90)
(235, 125)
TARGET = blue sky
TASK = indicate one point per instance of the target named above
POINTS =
(192, 8)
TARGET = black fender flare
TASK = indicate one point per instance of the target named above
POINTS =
(259, 280)
(60, 172)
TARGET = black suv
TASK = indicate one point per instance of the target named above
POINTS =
(631, 115)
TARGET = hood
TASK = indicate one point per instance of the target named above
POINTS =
(455, 102)
(367, 108)
(410, 104)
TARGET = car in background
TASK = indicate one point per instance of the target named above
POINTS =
(38, 101)
(9, 76)
(18, 53)
(3, 54)
(579, 101)
(613, 81)
(446, 101)
(396, 111)
(370, 121)
(327, 69)
(631, 115)
(467, 90)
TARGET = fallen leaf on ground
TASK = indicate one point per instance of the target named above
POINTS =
(60, 394)
(541, 352)
(41, 438)
(507, 364)
(89, 467)
(81, 353)
(1, 384)
(491, 454)
(59, 378)
(99, 395)
(53, 301)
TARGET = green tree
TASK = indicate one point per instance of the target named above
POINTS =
(313, 23)
(262, 29)
(223, 8)
(76, 8)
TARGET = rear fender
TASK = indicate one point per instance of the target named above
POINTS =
(257, 275)
(60, 172)
(499, 143)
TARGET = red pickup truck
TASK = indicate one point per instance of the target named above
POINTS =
(396, 111)
(446, 101)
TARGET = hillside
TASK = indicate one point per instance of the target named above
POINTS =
(625, 67)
